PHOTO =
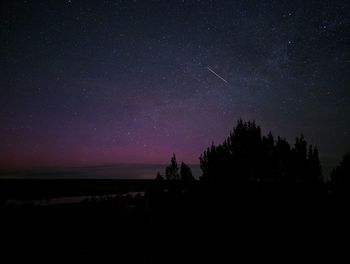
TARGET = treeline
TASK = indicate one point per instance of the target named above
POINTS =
(257, 195)
(247, 158)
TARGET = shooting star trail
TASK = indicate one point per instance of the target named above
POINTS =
(217, 75)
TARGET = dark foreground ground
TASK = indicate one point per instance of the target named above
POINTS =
(171, 223)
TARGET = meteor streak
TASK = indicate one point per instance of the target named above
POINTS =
(217, 75)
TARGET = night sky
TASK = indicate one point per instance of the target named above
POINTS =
(104, 82)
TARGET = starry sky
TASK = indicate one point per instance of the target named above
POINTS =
(112, 82)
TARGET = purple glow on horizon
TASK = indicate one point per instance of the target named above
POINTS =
(108, 82)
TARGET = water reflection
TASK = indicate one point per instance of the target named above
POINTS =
(69, 200)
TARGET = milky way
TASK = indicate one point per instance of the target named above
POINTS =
(97, 82)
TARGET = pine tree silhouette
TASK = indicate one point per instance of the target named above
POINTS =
(341, 175)
(172, 171)
(247, 157)
(186, 172)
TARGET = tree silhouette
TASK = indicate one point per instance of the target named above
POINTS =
(172, 170)
(185, 172)
(341, 175)
(237, 158)
(159, 177)
(315, 168)
(247, 157)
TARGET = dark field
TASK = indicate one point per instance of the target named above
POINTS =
(173, 222)
(34, 189)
